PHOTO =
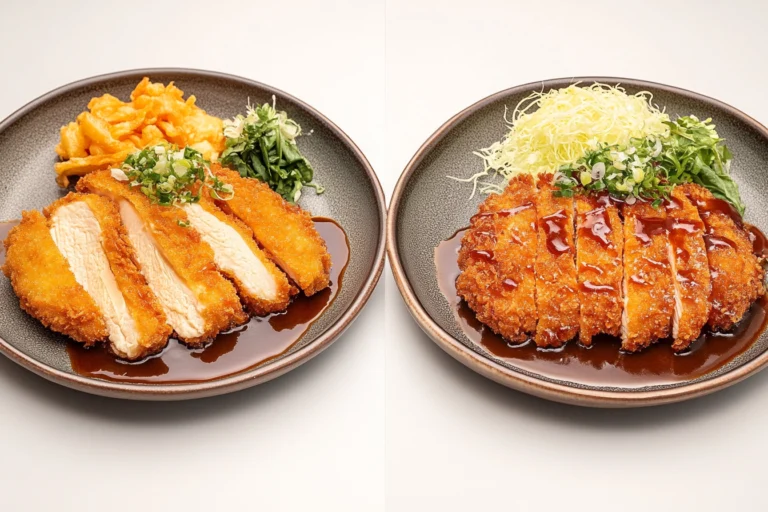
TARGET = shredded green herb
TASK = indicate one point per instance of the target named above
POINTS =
(648, 168)
(172, 176)
(262, 145)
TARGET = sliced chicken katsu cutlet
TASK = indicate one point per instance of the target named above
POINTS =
(86, 231)
(179, 267)
(284, 231)
(557, 298)
(648, 288)
(262, 287)
(600, 268)
(736, 273)
(46, 287)
(690, 271)
(497, 258)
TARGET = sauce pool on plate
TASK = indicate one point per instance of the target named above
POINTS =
(237, 350)
(604, 364)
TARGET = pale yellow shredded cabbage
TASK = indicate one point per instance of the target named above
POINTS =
(551, 129)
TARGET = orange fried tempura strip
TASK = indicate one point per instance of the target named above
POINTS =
(599, 253)
(736, 273)
(690, 269)
(46, 287)
(179, 267)
(557, 297)
(497, 258)
(649, 295)
(285, 231)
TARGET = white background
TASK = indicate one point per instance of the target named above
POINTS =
(315, 438)
(456, 441)
(311, 440)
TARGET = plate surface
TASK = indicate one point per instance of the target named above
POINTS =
(427, 208)
(353, 198)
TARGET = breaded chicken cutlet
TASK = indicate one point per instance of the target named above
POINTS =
(497, 258)
(643, 271)
(736, 274)
(262, 287)
(177, 264)
(285, 231)
(85, 232)
(599, 264)
(557, 296)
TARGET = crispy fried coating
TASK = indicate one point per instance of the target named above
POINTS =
(284, 231)
(599, 263)
(557, 297)
(274, 295)
(148, 331)
(46, 286)
(690, 270)
(497, 258)
(648, 289)
(182, 251)
(736, 273)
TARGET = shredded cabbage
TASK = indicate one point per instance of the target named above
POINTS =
(551, 129)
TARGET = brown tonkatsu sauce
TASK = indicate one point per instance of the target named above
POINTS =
(554, 228)
(597, 227)
(603, 364)
(259, 340)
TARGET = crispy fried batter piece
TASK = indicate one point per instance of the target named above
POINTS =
(690, 270)
(284, 231)
(178, 266)
(648, 289)
(262, 287)
(46, 287)
(599, 253)
(103, 260)
(497, 258)
(557, 297)
(736, 273)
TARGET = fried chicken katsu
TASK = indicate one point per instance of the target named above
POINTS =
(177, 264)
(46, 287)
(262, 287)
(736, 274)
(557, 298)
(535, 264)
(690, 271)
(599, 265)
(284, 231)
(497, 258)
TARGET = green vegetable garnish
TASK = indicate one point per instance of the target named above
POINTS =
(172, 176)
(262, 145)
(648, 168)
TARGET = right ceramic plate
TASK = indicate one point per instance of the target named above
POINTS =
(428, 210)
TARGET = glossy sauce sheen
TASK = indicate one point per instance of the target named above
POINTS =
(554, 228)
(604, 364)
(244, 347)
(597, 227)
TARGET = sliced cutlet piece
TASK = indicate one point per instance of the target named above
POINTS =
(46, 287)
(600, 267)
(557, 296)
(690, 270)
(285, 231)
(497, 258)
(262, 287)
(179, 267)
(649, 296)
(87, 230)
(736, 273)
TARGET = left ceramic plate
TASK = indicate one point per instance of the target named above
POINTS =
(353, 199)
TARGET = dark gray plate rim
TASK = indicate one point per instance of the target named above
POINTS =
(506, 376)
(241, 380)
